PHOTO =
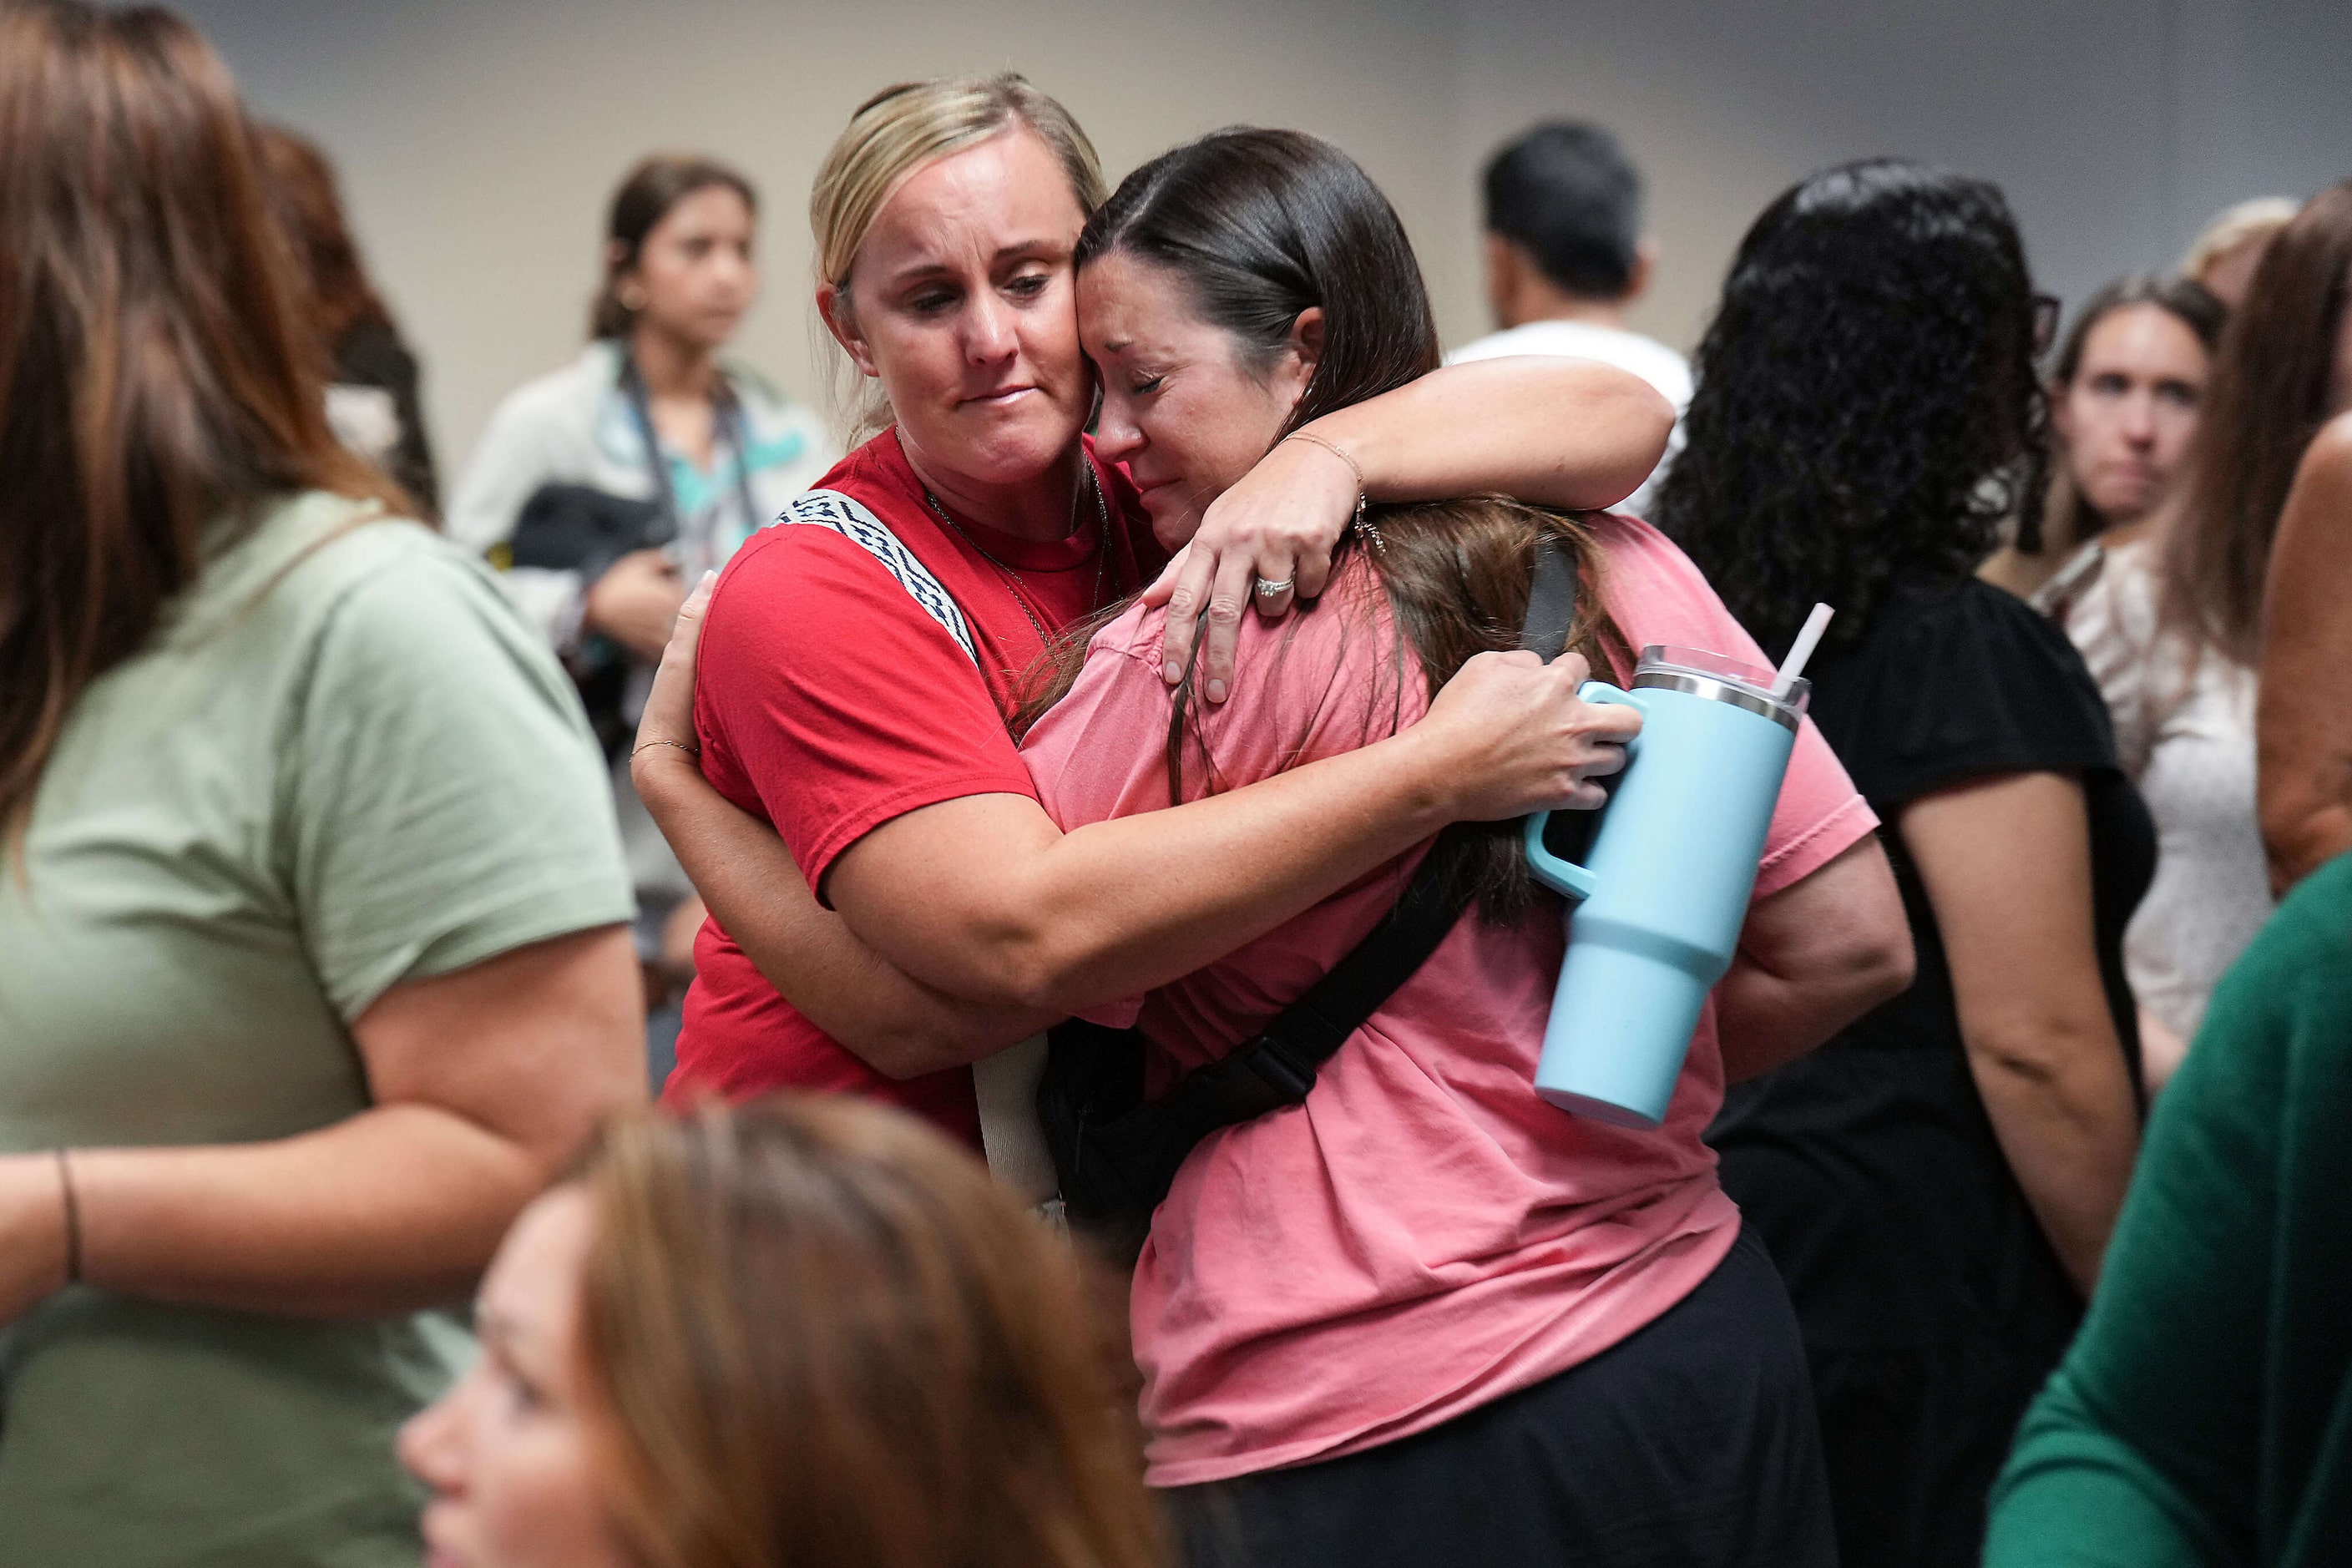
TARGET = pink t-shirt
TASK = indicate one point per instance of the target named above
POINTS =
(1424, 1234)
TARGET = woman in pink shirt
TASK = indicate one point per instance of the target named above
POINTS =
(1425, 1317)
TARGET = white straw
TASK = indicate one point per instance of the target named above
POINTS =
(1801, 650)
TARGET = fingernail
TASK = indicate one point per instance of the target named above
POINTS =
(1217, 691)
(707, 579)
(1171, 672)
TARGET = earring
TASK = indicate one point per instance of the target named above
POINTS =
(632, 296)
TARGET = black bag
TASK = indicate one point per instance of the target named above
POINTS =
(579, 528)
(1116, 1153)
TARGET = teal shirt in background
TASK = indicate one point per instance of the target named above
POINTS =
(2203, 1415)
(341, 761)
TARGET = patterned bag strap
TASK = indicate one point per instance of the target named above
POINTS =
(1005, 1084)
(848, 518)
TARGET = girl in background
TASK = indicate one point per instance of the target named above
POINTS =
(2126, 404)
(1938, 1181)
(662, 458)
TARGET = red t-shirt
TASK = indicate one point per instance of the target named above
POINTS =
(828, 701)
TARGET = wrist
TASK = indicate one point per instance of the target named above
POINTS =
(1338, 454)
(44, 1227)
(654, 763)
(1423, 771)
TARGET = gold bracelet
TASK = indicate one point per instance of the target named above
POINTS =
(695, 752)
(1353, 467)
(1364, 526)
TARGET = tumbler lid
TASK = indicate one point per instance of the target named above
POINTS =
(1722, 679)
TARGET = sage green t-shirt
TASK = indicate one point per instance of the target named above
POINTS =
(341, 762)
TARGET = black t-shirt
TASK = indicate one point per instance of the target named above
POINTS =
(1870, 1165)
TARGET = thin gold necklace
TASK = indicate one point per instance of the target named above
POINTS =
(1012, 579)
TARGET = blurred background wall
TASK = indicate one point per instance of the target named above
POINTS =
(479, 139)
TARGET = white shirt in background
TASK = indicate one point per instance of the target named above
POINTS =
(2185, 733)
(1646, 357)
(575, 425)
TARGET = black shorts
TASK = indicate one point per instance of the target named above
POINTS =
(1691, 1444)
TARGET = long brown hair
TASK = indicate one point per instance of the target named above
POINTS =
(1262, 225)
(157, 369)
(820, 1334)
(304, 194)
(2268, 399)
(1455, 575)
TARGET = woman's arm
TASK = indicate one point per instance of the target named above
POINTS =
(1042, 924)
(2006, 862)
(1564, 432)
(1812, 958)
(1039, 924)
(1041, 919)
(1557, 432)
(484, 1083)
(745, 872)
(2302, 723)
(895, 1025)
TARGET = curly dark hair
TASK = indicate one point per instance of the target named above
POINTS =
(1867, 406)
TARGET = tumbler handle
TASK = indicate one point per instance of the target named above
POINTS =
(1565, 877)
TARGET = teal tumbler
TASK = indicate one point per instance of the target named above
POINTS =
(1655, 912)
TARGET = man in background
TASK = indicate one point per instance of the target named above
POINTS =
(1565, 258)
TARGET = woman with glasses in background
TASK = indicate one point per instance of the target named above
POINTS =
(2128, 398)
(2125, 394)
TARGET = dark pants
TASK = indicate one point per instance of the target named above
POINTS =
(1691, 1445)
(1913, 1441)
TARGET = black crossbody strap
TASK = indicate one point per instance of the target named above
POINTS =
(1552, 600)
(1278, 1067)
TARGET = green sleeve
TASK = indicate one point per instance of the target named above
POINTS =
(445, 802)
(2143, 1448)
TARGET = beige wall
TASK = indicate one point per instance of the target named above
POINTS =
(479, 142)
(479, 139)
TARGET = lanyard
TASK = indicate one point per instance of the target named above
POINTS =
(728, 413)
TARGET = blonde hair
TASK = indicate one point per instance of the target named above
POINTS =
(898, 131)
(2243, 224)
(813, 1331)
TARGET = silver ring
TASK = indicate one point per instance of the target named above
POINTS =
(1270, 586)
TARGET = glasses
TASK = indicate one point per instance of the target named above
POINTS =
(2045, 322)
